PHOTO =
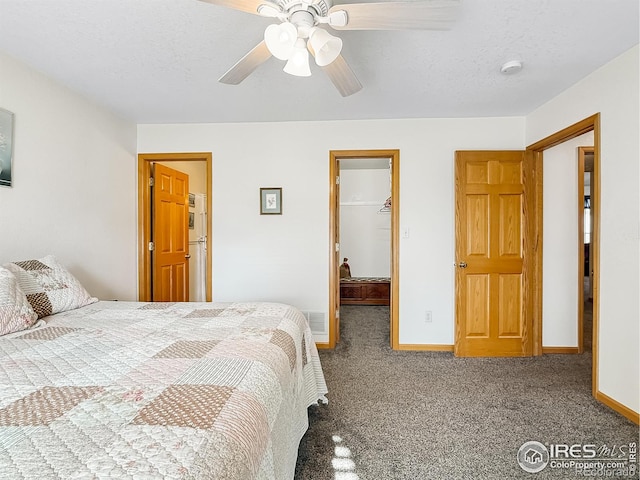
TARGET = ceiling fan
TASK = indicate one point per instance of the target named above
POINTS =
(299, 32)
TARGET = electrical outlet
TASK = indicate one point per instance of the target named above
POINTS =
(427, 316)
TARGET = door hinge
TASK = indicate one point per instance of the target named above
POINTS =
(152, 247)
(337, 179)
(151, 182)
(337, 313)
(337, 247)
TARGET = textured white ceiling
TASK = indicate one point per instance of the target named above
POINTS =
(158, 61)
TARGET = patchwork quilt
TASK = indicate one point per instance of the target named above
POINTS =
(158, 390)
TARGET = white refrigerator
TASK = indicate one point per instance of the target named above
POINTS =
(198, 250)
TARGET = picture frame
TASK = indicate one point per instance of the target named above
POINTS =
(192, 200)
(6, 147)
(192, 221)
(271, 201)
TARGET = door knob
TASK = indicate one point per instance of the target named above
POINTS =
(462, 264)
(187, 256)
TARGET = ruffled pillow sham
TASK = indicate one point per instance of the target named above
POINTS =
(16, 313)
(48, 286)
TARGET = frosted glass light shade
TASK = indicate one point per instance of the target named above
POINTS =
(325, 46)
(298, 63)
(280, 39)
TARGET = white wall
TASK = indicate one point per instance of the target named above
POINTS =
(286, 258)
(613, 91)
(74, 193)
(560, 284)
(365, 232)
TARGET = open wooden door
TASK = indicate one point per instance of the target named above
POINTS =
(170, 226)
(492, 277)
(338, 257)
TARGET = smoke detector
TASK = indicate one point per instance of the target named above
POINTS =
(509, 68)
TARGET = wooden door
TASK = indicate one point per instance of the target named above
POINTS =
(338, 257)
(170, 233)
(491, 267)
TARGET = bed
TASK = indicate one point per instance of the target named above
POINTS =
(158, 390)
(364, 291)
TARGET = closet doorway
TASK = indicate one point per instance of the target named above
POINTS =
(389, 161)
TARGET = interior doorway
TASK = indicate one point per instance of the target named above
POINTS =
(564, 247)
(145, 265)
(586, 185)
(590, 124)
(365, 239)
(336, 257)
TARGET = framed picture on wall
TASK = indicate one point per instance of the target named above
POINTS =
(192, 200)
(192, 221)
(6, 147)
(271, 201)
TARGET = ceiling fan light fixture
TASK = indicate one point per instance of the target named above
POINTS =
(325, 46)
(281, 39)
(298, 63)
(299, 31)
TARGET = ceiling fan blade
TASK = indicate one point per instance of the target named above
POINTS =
(246, 65)
(343, 77)
(249, 6)
(416, 15)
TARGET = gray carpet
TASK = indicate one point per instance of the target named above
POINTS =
(429, 415)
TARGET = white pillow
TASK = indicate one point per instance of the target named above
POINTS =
(48, 286)
(16, 313)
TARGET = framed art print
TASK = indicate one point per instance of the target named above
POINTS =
(6, 147)
(271, 201)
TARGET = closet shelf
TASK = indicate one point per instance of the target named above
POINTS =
(362, 204)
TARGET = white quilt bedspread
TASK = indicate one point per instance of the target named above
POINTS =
(158, 390)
